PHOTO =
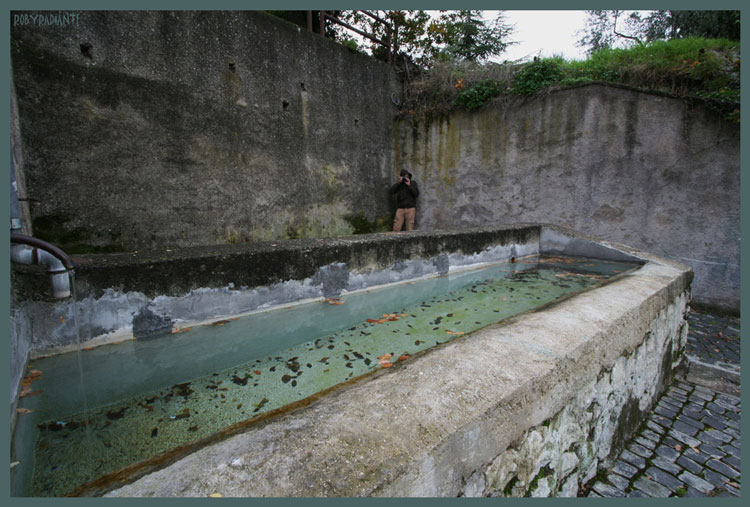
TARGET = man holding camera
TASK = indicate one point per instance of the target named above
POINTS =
(406, 191)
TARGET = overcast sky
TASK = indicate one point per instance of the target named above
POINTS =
(543, 33)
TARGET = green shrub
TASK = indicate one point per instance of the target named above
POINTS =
(537, 75)
(362, 225)
(476, 96)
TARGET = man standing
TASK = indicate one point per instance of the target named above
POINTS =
(406, 191)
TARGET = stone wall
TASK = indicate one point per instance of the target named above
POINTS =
(650, 171)
(147, 129)
(153, 129)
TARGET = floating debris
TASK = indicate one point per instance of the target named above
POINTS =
(240, 381)
(112, 414)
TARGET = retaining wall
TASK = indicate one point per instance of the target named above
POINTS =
(158, 128)
(647, 170)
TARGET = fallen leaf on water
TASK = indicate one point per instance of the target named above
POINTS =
(257, 372)
(88, 348)
(385, 356)
(333, 301)
(220, 322)
(385, 364)
(454, 332)
(23, 410)
(370, 320)
(182, 330)
(404, 315)
(28, 392)
(15, 463)
(215, 495)
(404, 357)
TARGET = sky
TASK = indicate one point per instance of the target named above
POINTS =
(543, 33)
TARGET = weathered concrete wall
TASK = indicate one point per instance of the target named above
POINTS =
(122, 295)
(145, 129)
(531, 406)
(646, 170)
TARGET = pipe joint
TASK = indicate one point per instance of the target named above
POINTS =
(28, 250)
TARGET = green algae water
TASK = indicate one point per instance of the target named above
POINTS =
(148, 397)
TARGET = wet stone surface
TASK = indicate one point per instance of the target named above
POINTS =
(714, 339)
(694, 430)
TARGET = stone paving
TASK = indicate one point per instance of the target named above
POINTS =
(689, 445)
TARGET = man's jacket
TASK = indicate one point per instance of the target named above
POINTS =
(406, 195)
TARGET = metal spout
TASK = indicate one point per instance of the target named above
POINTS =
(29, 250)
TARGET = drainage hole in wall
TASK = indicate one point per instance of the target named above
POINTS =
(284, 104)
(86, 48)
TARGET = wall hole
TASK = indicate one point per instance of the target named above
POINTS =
(86, 48)
(284, 104)
(302, 86)
(232, 67)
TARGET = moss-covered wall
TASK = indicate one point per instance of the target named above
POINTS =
(163, 129)
(647, 170)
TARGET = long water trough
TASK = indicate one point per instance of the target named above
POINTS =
(485, 362)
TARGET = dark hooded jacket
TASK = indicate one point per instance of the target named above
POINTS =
(406, 195)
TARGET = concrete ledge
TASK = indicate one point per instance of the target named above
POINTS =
(531, 406)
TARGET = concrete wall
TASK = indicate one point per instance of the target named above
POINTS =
(124, 295)
(646, 170)
(152, 129)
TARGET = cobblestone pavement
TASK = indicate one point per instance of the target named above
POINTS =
(689, 445)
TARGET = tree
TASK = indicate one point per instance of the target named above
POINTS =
(452, 35)
(464, 36)
(607, 29)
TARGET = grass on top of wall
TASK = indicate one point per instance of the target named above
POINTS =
(693, 68)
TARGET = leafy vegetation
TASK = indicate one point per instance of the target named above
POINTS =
(415, 35)
(701, 69)
(607, 29)
(478, 95)
(362, 225)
